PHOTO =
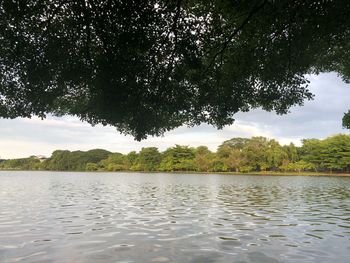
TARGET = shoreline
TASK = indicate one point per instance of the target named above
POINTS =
(261, 173)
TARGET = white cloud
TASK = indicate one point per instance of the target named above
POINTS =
(318, 119)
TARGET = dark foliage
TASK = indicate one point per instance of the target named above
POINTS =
(146, 67)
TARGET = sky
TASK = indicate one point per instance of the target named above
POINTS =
(319, 118)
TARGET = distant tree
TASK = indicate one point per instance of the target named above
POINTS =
(335, 154)
(292, 152)
(236, 143)
(255, 151)
(231, 155)
(331, 154)
(149, 159)
(254, 154)
(74, 161)
(218, 165)
(30, 163)
(91, 167)
(235, 160)
(202, 150)
(298, 166)
(346, 120)
(96, 155)
(178, 158)
(275, 155)
(247, 168)
(223, 151)
(59, 161)
(131, 160)
(114, 162)
(310, 152)
(203, 159)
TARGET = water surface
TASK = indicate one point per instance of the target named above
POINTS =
(131, 217)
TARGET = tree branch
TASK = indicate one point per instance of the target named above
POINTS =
(236, 31)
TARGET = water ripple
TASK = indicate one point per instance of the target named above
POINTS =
(105, 217)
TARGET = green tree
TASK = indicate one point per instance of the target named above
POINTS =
(255, 152)
(298, 166)
(292, 152)
(335, 154)
(114, 162)
(235, 160)
(131, 160)
(235, 143)
(231, 155)
(218, 165)
(150, 66)
(31, 163)
(346, 120)
(74, 161)
(310, 152)
(332, 153)
(149, 159)
(203, 159)
(59, 161)
(238, 154)
(275, 155)
(178, 158)
(91, 167)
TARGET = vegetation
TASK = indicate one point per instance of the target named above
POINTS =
(150, 66)
(257, 154)
(30, 163)
(74, 161)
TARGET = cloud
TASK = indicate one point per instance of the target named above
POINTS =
(317, 119)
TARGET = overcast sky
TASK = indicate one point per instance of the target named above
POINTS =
(316, 119)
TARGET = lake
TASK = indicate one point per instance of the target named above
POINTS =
(140, 217)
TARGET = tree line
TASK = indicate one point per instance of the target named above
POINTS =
(243, 155)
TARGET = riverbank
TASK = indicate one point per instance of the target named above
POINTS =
(267, 173)
(261, 173)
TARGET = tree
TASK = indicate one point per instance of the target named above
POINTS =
(335, 154)
(218, 165)
(59, 161)
(202, 150)
(275, 155)
(311, 152)
(298, 166)
(255, 151)
(131, 160)
(150, 66)
(292, 152)
(332, 153)
(235, 160)
(178, 158)
(91, 167)
(114, 162)
(231, 155)
(203, 159)
(74, 161)
(346, 120)
(31, 163)
(149, 159)
(235, 143)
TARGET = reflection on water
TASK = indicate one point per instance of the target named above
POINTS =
(98, 217)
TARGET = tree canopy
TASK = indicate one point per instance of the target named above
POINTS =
(150, 66)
